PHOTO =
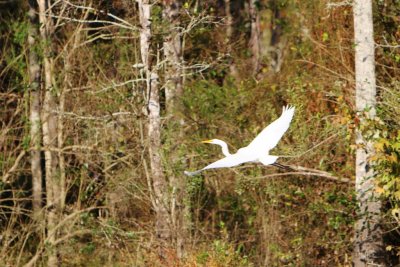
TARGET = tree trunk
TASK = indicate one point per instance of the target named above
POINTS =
(180, 213)
(368, 234)
(255, 35)
(277, 42)
(34, 118)
(229, 33)
(173, 53)
(49, 128)
(159, 182)
(163, 222)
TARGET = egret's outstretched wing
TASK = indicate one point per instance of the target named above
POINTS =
(230, 161)
(270, 136)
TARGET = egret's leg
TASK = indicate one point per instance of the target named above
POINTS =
(284, 167)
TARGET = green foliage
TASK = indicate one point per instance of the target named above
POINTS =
(88, 249)
(20, 30)
(13, 49)
(248, 216)
(222, 253)
(386, 160)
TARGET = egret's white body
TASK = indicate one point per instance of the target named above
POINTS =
(258, 149)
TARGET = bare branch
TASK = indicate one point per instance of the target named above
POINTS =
(331, 5)
(14, 167)
(94, 118)
(299, 170)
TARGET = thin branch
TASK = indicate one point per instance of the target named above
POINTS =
(386, 45)
(99, 118)
(94, 21)
(42, 246)
(14, 167)
(101, 11)
(306, 172)
(312, 148)
(118, 85)
(331, 5)
(327, 69)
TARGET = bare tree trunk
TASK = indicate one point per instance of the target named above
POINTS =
(277, 43)
(34, 86)
(160, 186)
(180, 213)
(173, 53)
(255, 35)
(368, 234)
(49, 128)
(159, 182)
(229, 33)
(229, 20)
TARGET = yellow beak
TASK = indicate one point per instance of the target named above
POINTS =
(207, 141)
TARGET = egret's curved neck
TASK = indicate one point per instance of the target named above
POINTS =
(225, 149)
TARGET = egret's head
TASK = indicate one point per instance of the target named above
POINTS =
(221, 143)
(214, 142)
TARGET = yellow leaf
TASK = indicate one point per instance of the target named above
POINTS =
(379, 146)
(374, 158)
(392, 158)
(379, 190)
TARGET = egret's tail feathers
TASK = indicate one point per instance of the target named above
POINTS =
(192, 173)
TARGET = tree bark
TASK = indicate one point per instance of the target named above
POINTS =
(49, 128)
(159, 182)
(229, 34)
(277, 42)
(34, 118)
(180, 213)
(163, 221)
(368, 250)
(255, 35)
(173, 54)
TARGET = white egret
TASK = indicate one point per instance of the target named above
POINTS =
(258, 149)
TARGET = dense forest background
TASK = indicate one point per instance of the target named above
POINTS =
(107, 187)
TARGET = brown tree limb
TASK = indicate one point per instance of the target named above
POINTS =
(7, 175)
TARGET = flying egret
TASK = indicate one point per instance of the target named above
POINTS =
(258, 149)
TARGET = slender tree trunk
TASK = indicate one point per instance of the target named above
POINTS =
(173, 53)
(229, 20)
(229, 33)
(180, 213)
(159, 182)
(368, 233)
(277, 42)
(49, 128)
(163, 222)
(255, 35)
(34, 86)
